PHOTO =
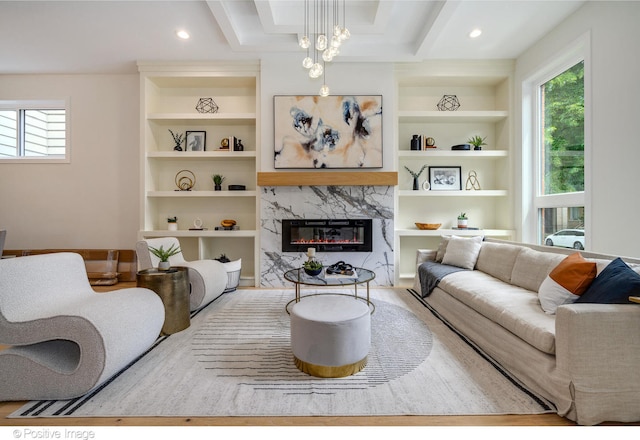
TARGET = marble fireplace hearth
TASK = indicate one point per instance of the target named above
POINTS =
(326, 202)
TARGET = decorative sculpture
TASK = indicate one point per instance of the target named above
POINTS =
(183, 181)
(472, 181)
(207, 105)
(449, 103)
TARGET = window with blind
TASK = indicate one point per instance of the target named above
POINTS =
(33, 130)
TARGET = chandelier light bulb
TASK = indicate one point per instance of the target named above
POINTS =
(307, 63)
(304, 42)
(335, 41)
(316, 70)
(324, 90)
(321, 43)
(345, 34)
(337, 30)
(327, 55)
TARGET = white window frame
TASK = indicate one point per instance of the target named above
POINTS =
(579, 50)
(17, 105)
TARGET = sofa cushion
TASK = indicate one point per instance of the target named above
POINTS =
(532, 267)
(497, 259)
(514, 308)
(442, 248)
(462, 251)
(566, 282)
(552, 295)
(614, 285)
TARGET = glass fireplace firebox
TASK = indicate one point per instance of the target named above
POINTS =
(348, 235)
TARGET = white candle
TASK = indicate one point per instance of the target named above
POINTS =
(311, 252)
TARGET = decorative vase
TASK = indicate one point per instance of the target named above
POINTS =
(217, 187)
(416, 184)
(415, 142)
(164, 265)
(172, 226)
(462, 223)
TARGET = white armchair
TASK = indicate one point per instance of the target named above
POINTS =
(207, 278)
(64, 338)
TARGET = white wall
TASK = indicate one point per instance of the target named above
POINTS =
(615, 156)
(91, 202)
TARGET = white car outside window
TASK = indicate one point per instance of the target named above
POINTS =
(570, 238)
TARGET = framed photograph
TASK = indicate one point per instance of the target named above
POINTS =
(328, 132)
(196, 141)
(445, 178)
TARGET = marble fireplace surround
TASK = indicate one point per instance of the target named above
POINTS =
(326, 202)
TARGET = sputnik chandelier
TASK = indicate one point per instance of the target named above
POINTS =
(323, 36)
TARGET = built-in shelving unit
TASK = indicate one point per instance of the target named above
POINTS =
(484, 91)
(169, 95)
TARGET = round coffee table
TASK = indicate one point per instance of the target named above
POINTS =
(300, 278)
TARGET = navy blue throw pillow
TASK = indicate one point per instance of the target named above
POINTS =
(615, 284)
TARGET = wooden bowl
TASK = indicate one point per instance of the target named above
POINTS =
(428, 226)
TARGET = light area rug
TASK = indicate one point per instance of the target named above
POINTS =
(235, 360)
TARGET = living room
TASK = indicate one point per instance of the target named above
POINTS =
(94, 200)
(99, 189)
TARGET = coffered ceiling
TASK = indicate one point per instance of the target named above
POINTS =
(110, 36)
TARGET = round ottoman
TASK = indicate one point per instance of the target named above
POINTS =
(330, 335)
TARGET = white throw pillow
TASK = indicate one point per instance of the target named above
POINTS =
(462, 251)
(552, 295)
(442, 248)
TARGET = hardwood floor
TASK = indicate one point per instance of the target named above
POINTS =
(7, 408)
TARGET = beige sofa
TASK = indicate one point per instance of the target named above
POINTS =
(584, 358)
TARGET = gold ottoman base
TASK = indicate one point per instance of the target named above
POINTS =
(329, 371)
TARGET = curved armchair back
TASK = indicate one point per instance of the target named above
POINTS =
(29, 285)
(146, 260)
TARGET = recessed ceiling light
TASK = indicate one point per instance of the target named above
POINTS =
(475, 33)
(182, 34)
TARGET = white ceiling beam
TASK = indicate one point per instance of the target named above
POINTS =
(435, 26)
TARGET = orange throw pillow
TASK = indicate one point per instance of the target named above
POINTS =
(574, 273)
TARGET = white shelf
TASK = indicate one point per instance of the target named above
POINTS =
(224, 117)
(168, 97)
(188, 194)
(484, 91)
(452, 116)
(472, 154)
(198, 234)
(215, 154)
(462, 193)
(415, 232)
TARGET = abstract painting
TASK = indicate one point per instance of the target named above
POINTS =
(328, 132)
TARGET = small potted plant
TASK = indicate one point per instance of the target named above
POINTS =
(462, 220)
(477, 142)
(164, 254)
(312, 267)
(416, 184)
(178, 139)
(217, 181)
(172, 223)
